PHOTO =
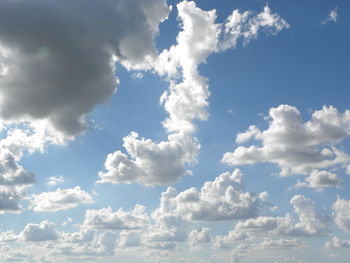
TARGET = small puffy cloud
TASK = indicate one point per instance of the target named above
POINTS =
(320, 179)
(55, 180)
(39, 232)
(61, 199)
(341, 213)
(105, 218)
(246, 26)
(150, 163)
(84, 235)
(8, 236)
(336, 242)
(332, 16)
(225, 198)
(296, 147)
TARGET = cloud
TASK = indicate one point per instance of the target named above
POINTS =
(225, 198)
(311, 222)
(336, 242)
(332, 16)
(151, 163)
(55, 180)
(247, 26)
(61, 69)
(9, 201)
(185, 101)
(320, 179)
(341, 212)
(61, 199)
(296, 147)
(105, 218)
(199, 236)
(39, 232)
(98, 245)
(8, 236)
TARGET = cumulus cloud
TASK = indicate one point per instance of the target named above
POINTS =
(59, 70)
(332, 16)
(61, 199)
(311, 222)
(105, 218)
(150, 163)
(39, 232)
(341, 212)
(297, 147)
(8, 236)
(185, 101)
(336, 242)
(199, 236)
(320, 179)
(9, 201)
(97, 245)
(225, 198)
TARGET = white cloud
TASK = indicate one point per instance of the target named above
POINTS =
(341, 212)
(151, 163)
(320, 179)
(39, 232)
(105, 218)
(186, 100)
(100, 245)
(55, 180)
(225, 198)
(332, 16)
(247, 26)
(62, 73)
(8, 236)
(296, 147)
(199, 236)
(61, 199)
(336, 242)
(9, 201)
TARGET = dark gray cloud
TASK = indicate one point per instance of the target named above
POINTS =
(56, 56)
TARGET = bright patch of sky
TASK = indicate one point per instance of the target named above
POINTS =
(174, 131)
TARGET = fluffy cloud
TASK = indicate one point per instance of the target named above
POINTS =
(225, 198)
(59, 70)
(97, 245)
(199, 236)
(186, 100)
(336, 242)
(9, 201)
(296, 147)
(105, 218)
(39, 232)
(61, 199)
(8, 236)
(341, 211)
(311, 222)
(319, 179)
(151, 163)
(247, 26)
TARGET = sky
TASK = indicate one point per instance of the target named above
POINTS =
(174, 131)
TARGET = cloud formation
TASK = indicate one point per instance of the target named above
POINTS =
(61, 199)
(62, 68)
(297, 147)
(186, 100)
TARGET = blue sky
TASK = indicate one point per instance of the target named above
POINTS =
(174, 131)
